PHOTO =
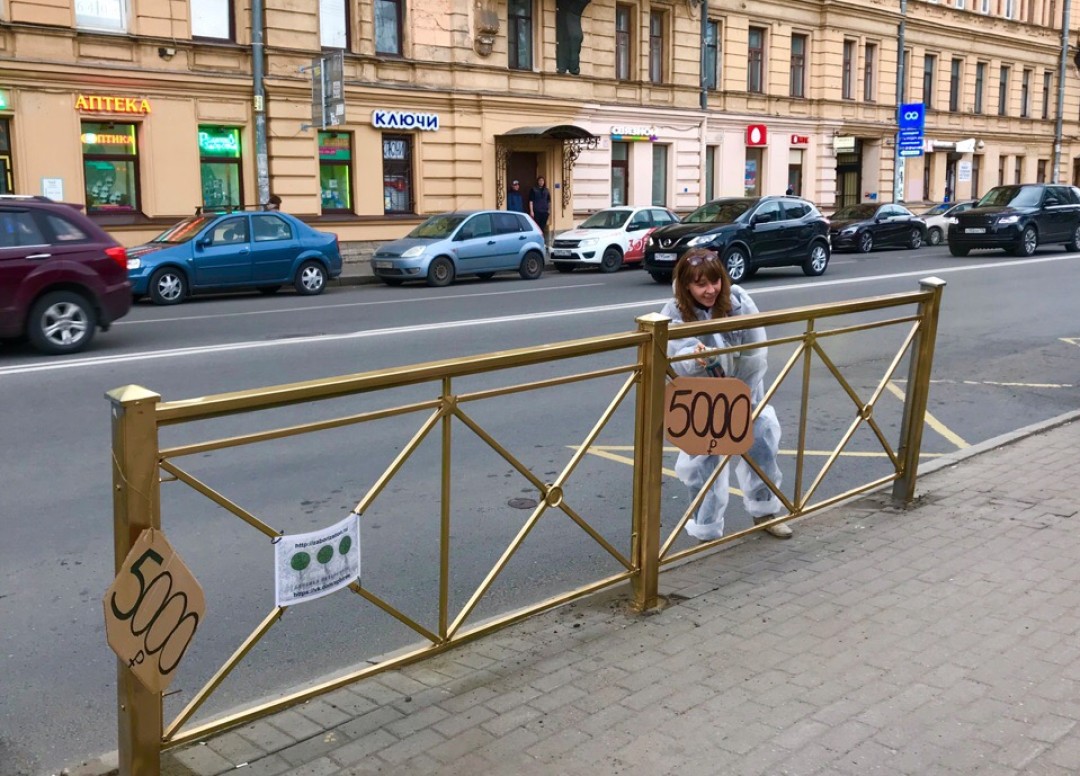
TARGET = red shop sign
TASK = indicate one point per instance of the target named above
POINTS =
(800, 140)
(757, 135)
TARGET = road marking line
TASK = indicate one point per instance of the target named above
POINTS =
(1072, 340)
(994, 382)
(819, 453)
(931, 421)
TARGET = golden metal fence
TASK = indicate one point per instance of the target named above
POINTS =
(140, 465)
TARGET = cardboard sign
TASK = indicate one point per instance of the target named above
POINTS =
(708, 415)
(152, 610)
(310, 565)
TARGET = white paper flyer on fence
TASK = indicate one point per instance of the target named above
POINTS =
(310, 565)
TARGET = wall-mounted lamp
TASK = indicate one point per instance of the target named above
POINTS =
(166, 52)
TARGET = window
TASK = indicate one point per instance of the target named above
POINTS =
(795, 210)
(478, 226)
(397, 174)
(795, 171)
(1048, 82)
(870, 73)
(752, 172)
(1003, 91)
(230, 231)
(268, 227)
(1040, 175)
(929, 64)
(976, 164)
(1025, 95)
(1001, 169)
(623, 40)
(755, 66)
(212, 19)
(388, 15)
(1018, 172)
(656, 47)
(848, 83)
(335, 172)
(19, 228)
(961, 4)
(110, 15)
(110, 167)
(980, 85)
(333, 24)
(662, 218)
(620, 172)
(798, 65)
(954, 84)
(713, 51)
(508, 223)
(219, 165)
(519, 34)
(710, 172)
(984, 6)
(1010, 9)
(7, 182)
(659, 174)
(65, 231)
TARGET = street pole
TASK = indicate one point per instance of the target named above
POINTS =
(262, 165)
(898, 161)
(1055, 173)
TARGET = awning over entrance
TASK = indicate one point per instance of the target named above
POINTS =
(572, 138)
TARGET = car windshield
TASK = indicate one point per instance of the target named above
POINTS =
(855, 212)
(937, 210)
(606, 219)
(719, 212)
(183, 231)
(438, 227)
(1012, 196)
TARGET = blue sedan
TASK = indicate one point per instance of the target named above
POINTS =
(234, 250)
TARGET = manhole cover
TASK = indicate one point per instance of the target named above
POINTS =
(522, 503)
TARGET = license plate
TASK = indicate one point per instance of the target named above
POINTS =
(384, 265)
(561, 253)
(665, 256)
(975, 230)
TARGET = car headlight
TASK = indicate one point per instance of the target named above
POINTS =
(413, 252)
(1009, 219)
(703, 239)
(850, 230)
(587, 242)
(651, 241)
(134, 264)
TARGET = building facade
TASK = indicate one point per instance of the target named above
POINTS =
(143, 110)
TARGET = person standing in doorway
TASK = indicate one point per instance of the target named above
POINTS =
(514, 200)
(540, 204)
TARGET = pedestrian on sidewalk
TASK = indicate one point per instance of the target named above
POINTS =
(702, 291)
(515, 202)
(540, 204)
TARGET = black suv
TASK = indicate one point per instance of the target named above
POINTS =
(748, 233)
(1019, 219)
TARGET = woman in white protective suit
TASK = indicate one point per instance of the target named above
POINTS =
(702, 290)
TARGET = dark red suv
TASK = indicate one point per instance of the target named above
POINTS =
(61, 275)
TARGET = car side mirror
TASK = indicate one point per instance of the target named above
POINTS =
(204, 242)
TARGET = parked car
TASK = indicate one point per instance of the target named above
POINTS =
(748, 233)
(1019, 219)
(868, 225)
(938, 217)
(464, 242)
(609, 238)
(61, 276)
(234, 250)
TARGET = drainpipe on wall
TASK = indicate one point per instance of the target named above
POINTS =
(1061, 92)
(704, 54)
(898, 161)
(262, 165)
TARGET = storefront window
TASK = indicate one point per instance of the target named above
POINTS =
(752, 175)
(110, 167)
(659, 174)
(219, 158)
(397, 174)
(335, 171)
(7, 184)
(620, 156)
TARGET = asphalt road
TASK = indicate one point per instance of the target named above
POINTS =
(1008, 355)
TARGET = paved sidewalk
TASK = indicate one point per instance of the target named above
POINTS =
(940, 639)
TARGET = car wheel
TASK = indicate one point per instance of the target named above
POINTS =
(310, 278)
(1029, 241)
(660, 277)
(392, 281)
(440, 272)
(866, 242)
(269, 290)
(532, 266)
(168, 286)
(935, 237)
(612, 260)
(956, 250)
(61, 322)
(915, 239)
(565, 268)
(485, 275)
(735, 263)
(1074, 245)
(817, 261)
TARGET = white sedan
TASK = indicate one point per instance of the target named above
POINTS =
(937, 219)
(609, 238)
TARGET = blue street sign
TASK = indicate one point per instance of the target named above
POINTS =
(911, 121)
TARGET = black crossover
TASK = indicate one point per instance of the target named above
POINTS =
(748, 233)
(1019, 219)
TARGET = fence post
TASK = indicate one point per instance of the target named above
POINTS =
(918, 390)
(136, 506)
(649, 460)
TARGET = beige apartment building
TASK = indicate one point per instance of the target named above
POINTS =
(144, 110)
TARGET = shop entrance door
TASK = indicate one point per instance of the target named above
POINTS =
(524, 166)
(848, 179)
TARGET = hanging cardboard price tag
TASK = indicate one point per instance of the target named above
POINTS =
(152, 610)
(708, 415)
